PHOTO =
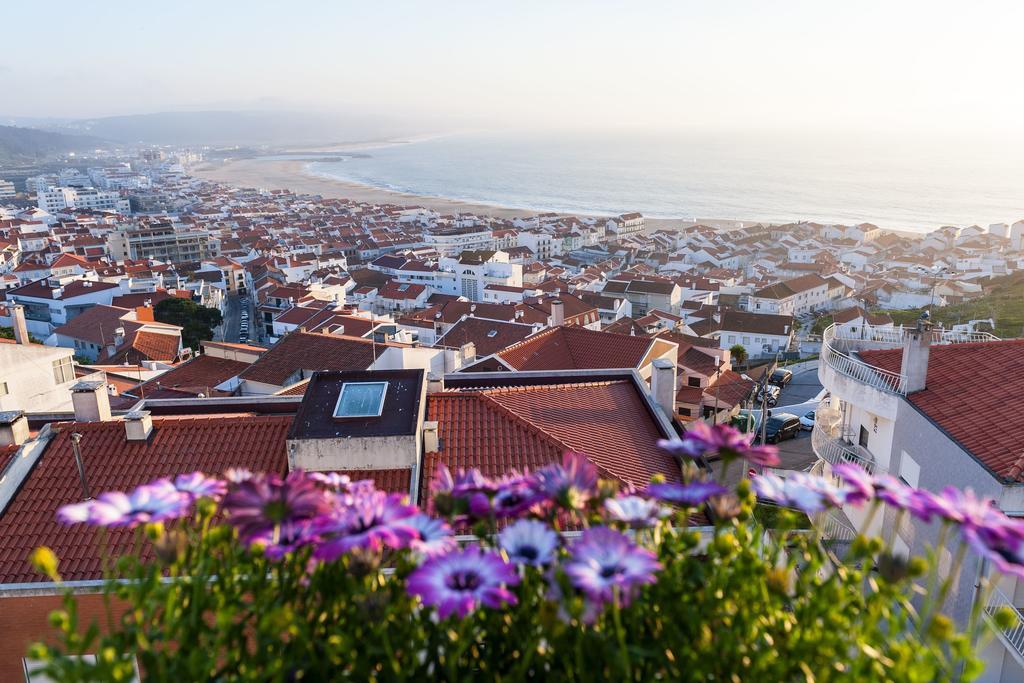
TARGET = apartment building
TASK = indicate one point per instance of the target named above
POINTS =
(934, 408)
(162, 241)
(55, 199)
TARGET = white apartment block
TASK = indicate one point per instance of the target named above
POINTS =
(55, 199)
(454, 242)
(6, 189)
(891, 409)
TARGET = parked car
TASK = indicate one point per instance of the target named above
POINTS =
(807, 421)
(772, 392)
(781, 377)
(781, 426)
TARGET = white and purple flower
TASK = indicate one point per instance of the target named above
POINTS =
(275, 512)
(802, 491)
(604, 562)
(198, 485)
(155, 502)
(691, 495)
(529, 541)
(373, 521)
(635, 511)
(720, 441)
(434, 535)
(459, 582)
(571, 483)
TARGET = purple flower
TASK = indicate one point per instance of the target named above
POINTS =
(374, 520)
(604, 561)
(720, 441)
(154, 502)
(273, 511)
(570, 483)
(434, 535)
(236, 475)
(198, 485)
(860, 485)
(896, 494)
(1004, 548)
(636, 511)
(466, 482)
(332, 480)
(515, 496)
(801, 491)
(529, 541)
(461, 581)
(691, 495)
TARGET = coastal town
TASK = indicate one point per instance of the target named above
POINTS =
(467, 340)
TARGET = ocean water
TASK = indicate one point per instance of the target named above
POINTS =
(902, 184)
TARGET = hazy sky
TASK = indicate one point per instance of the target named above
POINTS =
(879, 66)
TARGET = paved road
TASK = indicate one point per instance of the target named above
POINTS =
(232, 311)
(804, 386)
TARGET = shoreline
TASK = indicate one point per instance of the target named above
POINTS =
(294, 175)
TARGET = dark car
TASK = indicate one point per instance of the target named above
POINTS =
(781, 377)
(781, 426)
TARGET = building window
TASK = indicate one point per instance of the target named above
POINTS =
(693, 381)
(685, 412)
(63, 370)
(910, 471)
(863, 438)
(3, 389)
(361, 399)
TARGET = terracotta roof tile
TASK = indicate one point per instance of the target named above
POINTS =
(112, 463)
(573, 347)
(987, 378)
(309, 351)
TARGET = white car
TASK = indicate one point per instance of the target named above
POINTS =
(807, 421)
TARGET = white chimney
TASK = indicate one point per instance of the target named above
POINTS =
(20, 326)
(138, 425)
(557, 313)
(663, 385)
(468, 352)
(430, 439)
(118, 337)
(91, 401)
(13, 428)
(916, 349)
(435, 384)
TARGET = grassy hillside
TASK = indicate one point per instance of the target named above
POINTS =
(26, 145)
(1003, 302)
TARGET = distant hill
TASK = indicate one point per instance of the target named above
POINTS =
(234, 128)
(26, 145)
(1003, 302)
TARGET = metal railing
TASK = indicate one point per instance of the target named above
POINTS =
(838, 345)
(845, 364)
(836, 451)
(1013, 636)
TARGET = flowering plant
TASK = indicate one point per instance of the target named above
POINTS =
(558, 576)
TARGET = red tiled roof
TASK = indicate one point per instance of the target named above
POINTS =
(498, 430)
(112, 463)
(973, 393)
(149, 346)
(573, 347)
(308, 351)
(396, 480)
(197, 376)
(489, 336)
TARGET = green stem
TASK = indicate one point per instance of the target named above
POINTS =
(620, 634)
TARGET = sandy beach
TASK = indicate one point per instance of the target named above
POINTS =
(293, 175)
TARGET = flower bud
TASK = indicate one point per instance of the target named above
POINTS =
(44, 561)
(1006, 618)
(59, 619)
(893, 568)
(206, 507)
(154, 531)
(941, 628)
(38, 652)
(170, 547)
(779, 580)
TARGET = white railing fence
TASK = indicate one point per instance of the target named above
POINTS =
(1014, 635)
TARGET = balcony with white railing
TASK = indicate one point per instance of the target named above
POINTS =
(839, 347)
(833, 446)
(1012, 637)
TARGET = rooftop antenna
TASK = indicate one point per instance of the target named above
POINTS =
(75, 439)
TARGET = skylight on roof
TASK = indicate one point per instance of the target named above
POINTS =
(361, 399)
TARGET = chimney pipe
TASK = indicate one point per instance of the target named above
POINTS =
(663, 385)
(20, 326)
(435, 384)
(91, 401)
(76, 438)
(916, 349)
(557, 313)
(13, 428)
(431, 442)
(138, 425)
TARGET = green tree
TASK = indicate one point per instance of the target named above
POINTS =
(8, 333)
(197, 322)
(738, 352)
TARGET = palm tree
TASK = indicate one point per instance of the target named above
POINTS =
(738, 353)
